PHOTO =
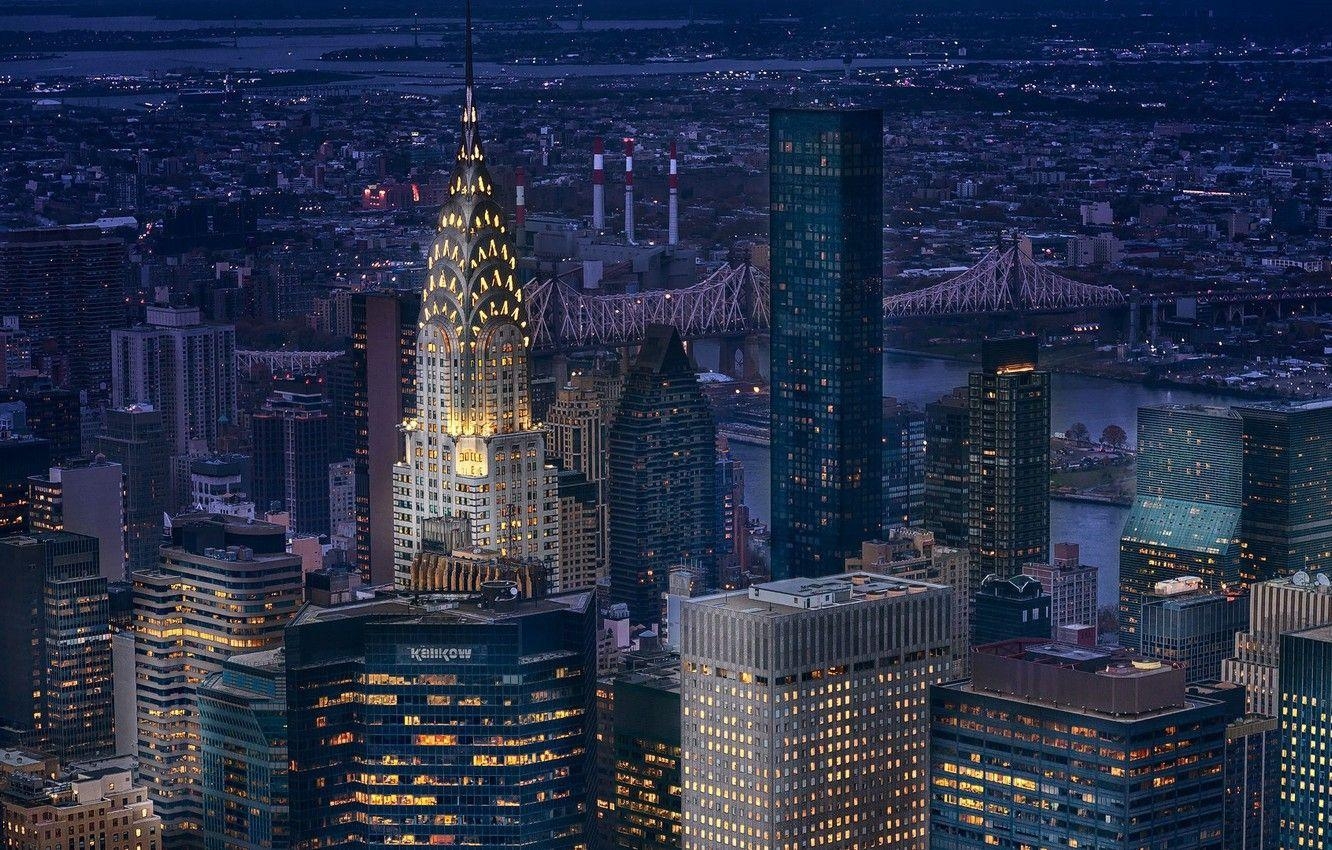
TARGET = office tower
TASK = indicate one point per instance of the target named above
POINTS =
(826, 232)
(55, 637)
(97, 807)
(491, 704)
(51, 413)
(291, 439)
(644, 745)
(1287, 521)
(243, 753)
(472, 449)
(223, 586)
(803, 707)
(580, 533)
(1305, 693)
(1014, 777)
(84, 497)
(1071, 586)
(903, 464)
(383, 360)
(912, 553)
(662, 486)
(21, 457)
(1009, 447)
(183, 368)
(134, 439)
(67, 286)
(1191, 626)
(1008, 608)
(1302, 601)
(1253, 778)
(1185, 519)
(577, 425)
(220, 484)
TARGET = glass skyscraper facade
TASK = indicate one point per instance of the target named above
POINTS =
(1009, 448)
(1306, 778)
(663, 478)
(1287, 522)
(243, 753)
(1051, 745)
(1185, 519)
(468, 726)
(826, 230)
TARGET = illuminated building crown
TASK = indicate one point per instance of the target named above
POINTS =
(473, 339)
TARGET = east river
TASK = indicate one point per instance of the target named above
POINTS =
(1095, 402)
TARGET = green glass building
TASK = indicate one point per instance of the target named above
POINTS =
(1287, 522)
(1185, 519)
(826, 232)
(1009, 451)
(243, 753)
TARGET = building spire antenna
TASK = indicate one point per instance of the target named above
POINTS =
(467, 65)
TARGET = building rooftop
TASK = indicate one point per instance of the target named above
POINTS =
(780, 598)
(1110, 682)
(439, 608)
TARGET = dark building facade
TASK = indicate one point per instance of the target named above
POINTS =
(1287, 488)
(662, 482)
(20, 458)
(948, 468)
(383, 393)
(134, 438)
(903, 464)
(1051, 745)
(475, 723)
(826, 233)
(1193, 628)
(1253, 779)
(1185, 519)
(1009, 608)
(1305, 676)
(55, 638)
(645, 738)
(67, 286)
(291, 437)
(1009, 492)
(52, 414)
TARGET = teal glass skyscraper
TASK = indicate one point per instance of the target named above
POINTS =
(1185, 519)
(826, 182)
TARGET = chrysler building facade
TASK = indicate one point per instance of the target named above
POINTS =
(471, 451)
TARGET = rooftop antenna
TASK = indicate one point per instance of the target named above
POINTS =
(467, 69)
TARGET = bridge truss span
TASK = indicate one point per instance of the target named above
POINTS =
(731, 300)
(1003, 281)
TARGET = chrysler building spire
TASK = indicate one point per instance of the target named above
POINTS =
(471, 453)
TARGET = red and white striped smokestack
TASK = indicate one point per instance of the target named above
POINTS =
(520, 200)
(629, 189)
(598, 185)
(673, 211)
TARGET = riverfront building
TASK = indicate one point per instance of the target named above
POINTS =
(1185, 519)
(1008, 403)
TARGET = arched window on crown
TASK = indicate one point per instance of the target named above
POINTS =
(505, 358)
(436, 388)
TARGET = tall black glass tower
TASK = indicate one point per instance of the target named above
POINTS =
(662, 482)
(826, 181)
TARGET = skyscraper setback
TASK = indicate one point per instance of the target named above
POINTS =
(472, 449)
(826, 235)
